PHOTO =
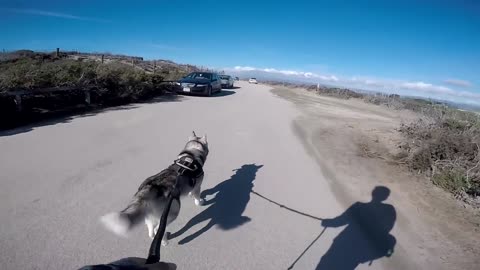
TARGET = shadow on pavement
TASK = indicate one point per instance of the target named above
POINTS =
(28, 122)
(224, 93)
(226, 208)
(367, 235)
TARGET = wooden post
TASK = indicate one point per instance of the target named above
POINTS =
(58, 52)
(18, 102)
(87, 97)
(102, 58)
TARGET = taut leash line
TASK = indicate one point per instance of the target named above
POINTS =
(154, 252)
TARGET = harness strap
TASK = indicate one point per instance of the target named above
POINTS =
(189, 167)
(184, 153)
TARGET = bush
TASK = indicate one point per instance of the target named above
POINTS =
(447, 149)
(114, 80)
(31, 74)
(66, 80)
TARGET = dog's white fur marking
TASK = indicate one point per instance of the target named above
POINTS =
(151, 225)
(199, 202)
(165, 239)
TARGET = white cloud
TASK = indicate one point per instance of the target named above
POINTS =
(328, 78)
(468, 94)
(239, 68)
(52, 14)
(300, 74)
(427, 87)
(456, 82)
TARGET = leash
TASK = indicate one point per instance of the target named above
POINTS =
(286, 207)
(154, 252)
(184, 171)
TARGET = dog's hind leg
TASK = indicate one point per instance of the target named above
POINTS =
(152, 223)
(172, 215)
(196, 192)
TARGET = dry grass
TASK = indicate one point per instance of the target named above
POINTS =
(447, 150)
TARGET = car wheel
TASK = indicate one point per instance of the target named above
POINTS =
(209, 91)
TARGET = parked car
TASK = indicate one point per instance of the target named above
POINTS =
(227, 81)
(203, 83)
(253, 80)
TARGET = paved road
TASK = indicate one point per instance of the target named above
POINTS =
(58, 179)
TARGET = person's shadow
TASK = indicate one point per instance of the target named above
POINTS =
(367, 235)
(227, 207)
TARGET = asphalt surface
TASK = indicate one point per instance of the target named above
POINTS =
(59, 177)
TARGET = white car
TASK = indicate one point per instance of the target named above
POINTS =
(252, 80)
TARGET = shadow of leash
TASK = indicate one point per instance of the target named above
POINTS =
(297, 212)
(311, 244)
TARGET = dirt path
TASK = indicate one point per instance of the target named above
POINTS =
(351, 141)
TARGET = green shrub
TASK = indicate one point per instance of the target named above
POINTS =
(121, 81)
(31, 74)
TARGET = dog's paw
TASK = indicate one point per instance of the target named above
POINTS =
(199, 202)
(165, 238)
(190, 194)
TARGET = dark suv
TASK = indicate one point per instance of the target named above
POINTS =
(203, 83)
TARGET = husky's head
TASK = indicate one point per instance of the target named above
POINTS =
(198, 146)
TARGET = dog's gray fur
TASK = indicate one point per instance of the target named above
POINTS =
(149, 201)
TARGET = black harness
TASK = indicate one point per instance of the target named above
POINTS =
(191, 169)
(187, 166)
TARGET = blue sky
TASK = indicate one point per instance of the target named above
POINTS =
(426, 48)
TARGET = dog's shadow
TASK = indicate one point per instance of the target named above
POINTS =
(226, 208)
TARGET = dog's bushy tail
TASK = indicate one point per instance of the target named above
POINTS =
(122, 222)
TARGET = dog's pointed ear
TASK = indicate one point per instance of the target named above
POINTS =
(193, 136)
(204, 139)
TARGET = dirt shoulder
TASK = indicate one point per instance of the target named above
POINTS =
(352, 142)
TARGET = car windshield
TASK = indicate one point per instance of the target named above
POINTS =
(224, 77)
(199, 75)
